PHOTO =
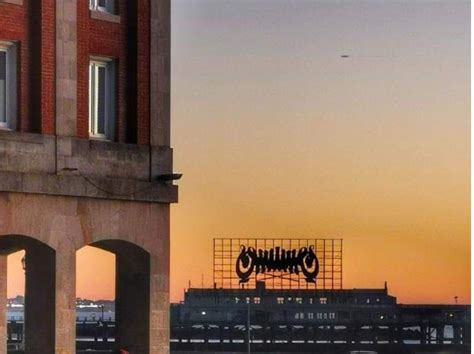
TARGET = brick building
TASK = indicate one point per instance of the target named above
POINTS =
(85, 159)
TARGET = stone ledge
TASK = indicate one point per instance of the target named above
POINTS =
(47, 154)
(14, 2)
(87, 187)
(104, 16)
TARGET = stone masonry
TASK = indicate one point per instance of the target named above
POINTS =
(61, 190)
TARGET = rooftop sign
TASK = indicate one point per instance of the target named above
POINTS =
(280, 263)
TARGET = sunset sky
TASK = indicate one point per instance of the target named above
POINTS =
(278, 136)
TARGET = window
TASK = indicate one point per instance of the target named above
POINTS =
(237, 300)
(332, 316)
(323, 300)
(280, 300)
(310, 315)
(299, 300)
(299, 316)
(101, 99)
(319, 316)
(8, 87)
(103, 5)
(256, 300)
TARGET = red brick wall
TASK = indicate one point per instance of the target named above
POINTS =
(17, 24)
(128, 42)
(102, 38)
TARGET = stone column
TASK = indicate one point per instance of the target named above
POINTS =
(160, 72)
(159, 309)
(66, 67)
(39, 295)
(65, 340)
(3, 304)
(133, 301)
(159, 294)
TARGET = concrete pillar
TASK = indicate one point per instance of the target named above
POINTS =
(132, 304)
(159, 294)
(39, 295)
(65, 340)
(3, 304)
(66, 67)
(439, 334)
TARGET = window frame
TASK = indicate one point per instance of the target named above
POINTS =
(11, 86)
(95, 63)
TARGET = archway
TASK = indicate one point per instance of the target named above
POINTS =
(95, 299)
(132, 295)
(40, 284)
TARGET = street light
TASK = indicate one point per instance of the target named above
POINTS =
(102, 308)
(23, 263)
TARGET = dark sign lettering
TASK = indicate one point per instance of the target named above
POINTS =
(277, 259)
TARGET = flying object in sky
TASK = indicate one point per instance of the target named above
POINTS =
(344, 56)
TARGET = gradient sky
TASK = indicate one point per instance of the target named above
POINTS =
(278, 136)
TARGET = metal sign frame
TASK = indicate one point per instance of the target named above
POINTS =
(327, 251)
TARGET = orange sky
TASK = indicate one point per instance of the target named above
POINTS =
(277, 136)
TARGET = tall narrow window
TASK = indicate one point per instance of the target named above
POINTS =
(103, 5)
(8, 96)
(3, 87)
(101, 99)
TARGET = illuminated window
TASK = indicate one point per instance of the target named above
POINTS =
(368, 301)
(323, 300)
(237, 300)
(8, 85)
(332, 316)
(101, 98)
(280, 300)
(102, 5)
(247, 300)
(256, 300)
(319, 316)
(310, 315)
(311, 300)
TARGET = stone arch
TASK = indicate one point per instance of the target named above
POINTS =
(40, 292)
(132, 294)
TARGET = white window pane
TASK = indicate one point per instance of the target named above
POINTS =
(3, 87)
